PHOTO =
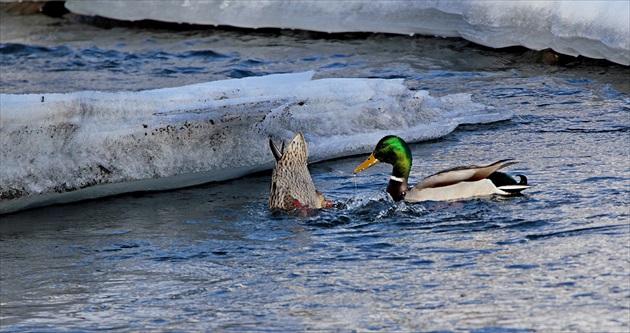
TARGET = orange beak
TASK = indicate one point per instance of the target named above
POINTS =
(368, 163)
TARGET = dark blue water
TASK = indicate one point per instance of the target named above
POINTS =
(213, 258)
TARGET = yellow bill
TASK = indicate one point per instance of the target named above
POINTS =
(368, 163)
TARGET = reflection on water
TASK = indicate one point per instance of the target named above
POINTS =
(212, 258)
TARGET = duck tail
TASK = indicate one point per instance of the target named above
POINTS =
(277, 153)
(508, 184)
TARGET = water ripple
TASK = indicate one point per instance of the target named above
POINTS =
(579, 231)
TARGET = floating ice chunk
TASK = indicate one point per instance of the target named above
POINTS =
(66, 147)
(596, 29)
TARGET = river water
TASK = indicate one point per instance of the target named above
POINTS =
(213, 258)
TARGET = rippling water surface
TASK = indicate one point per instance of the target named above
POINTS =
(213, 258)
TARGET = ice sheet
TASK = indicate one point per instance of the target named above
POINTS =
(595, 29)
(88, 144)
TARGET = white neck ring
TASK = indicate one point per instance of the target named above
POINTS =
(398, 179)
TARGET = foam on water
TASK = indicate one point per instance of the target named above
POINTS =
(67, 147)
(595, 29)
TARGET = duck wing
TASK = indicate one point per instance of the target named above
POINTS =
(462, 174)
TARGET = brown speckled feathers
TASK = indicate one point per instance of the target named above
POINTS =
(291, 179)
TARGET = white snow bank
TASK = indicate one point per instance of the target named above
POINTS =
(67, 147)
(595, 29)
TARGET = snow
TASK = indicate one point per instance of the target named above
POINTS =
(88, 144)
(595, 29)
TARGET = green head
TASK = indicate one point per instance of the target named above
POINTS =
(391, 150)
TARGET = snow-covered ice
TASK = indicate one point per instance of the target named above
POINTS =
(595, 29)
(88, 144)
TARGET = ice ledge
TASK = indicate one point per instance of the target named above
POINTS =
(66, 147)
(595, 29)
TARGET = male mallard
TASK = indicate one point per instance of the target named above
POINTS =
(451, 184)
(291, 183)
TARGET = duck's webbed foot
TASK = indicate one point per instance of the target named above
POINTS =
(303, 210)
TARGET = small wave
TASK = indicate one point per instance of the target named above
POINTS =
(203, 54)
(522, 266)
(579, 231)
(241, 73)
(586, 130)
(603, 179)
(527, 225)
(14, 50)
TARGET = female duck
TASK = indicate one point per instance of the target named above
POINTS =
(451, 184)
(291, 183)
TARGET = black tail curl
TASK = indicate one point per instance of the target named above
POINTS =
(502, 179)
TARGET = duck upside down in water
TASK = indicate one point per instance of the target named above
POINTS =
(291, 183)
(452, 184)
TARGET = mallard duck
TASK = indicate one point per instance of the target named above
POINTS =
(451, 184)
(291, 183)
